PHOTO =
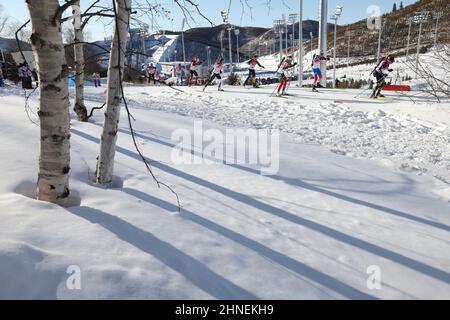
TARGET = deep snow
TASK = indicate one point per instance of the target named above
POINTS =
(310, 231)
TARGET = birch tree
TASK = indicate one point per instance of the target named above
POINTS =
(105, 161)
(54, 157)
(79, 107)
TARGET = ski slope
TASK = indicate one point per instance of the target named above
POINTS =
(352, 192)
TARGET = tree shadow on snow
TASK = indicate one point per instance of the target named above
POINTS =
(299, 183)
(193, 270)
(322, 229)
(281, 259)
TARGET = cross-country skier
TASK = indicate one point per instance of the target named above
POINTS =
(179, 73)
(193, 70)
(218, 69)
(252, 63)
(315, 68)
(151, 73)
(284, 66)
(381, 72)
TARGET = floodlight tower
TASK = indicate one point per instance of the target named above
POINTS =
(419, 18)
(278, 27)
(236, 33)
(323, 30)
(225, 17)
(300, 44)
(437, 15)
(335, 17)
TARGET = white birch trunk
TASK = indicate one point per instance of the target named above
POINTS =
(105, 161)
(79, 107)
(54, 159)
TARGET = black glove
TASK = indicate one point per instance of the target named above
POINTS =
(390, 70)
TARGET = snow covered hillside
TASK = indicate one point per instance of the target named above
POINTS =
(361, 184)
(165, 52)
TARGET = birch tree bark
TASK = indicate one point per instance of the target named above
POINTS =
(54, 158)
(105, 161)
(79, 107)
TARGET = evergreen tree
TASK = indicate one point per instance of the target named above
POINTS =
(401, 5)
(394, 8)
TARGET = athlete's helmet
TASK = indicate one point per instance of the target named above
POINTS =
(391, 58)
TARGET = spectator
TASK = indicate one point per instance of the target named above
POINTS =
(97, 79)
(25, 74)
(2, 83)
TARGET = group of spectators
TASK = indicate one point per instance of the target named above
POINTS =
(25, 76)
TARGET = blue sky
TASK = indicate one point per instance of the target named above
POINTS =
(260, 14)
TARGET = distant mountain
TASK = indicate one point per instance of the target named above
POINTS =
(250, 40)
(10, 45)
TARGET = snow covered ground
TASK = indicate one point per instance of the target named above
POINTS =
(361, 184)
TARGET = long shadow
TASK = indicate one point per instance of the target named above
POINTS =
(305, 185)
(196, 272)
(335, 234)
(287, 262)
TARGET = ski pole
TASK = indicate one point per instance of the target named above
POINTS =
(273, 92)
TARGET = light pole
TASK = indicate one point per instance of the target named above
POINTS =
(293, 18)
(164, 45)
(410, 20)
(225, 18)
(286, 30)
(208, 56)
(438, 15)
(292, 39)
(300, 44)
(323, 28)
(420, 18)
(236, 33)
(349, 33)
(221, 42)
(278, 27)
(182, 40)
(311, 37)
(175, 55)
(335, 17)
(379, 39)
